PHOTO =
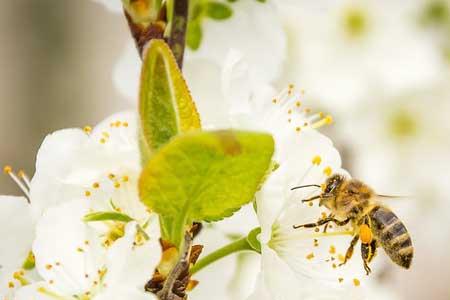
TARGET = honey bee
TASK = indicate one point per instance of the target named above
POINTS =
(352, 201)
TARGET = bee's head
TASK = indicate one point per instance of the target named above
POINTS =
(330, 190)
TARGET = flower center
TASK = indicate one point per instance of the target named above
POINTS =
(436, 13)
(355, 22)
(402, 124)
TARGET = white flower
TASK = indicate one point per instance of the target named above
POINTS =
(74, 263)
(294, 262)
(99, 165)
(344, 52)
(17, 234)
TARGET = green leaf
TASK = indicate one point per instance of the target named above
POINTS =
(218, 10)
(253, 241)
(166, 107)
(204, 176)
(107, 216)
(194, 34)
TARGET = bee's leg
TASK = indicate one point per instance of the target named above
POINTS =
(368, 252)
(349, 252)
(326, 225)
(322, 222)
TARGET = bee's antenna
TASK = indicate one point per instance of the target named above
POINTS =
(303, 186)
(392, 196)
(311, 199)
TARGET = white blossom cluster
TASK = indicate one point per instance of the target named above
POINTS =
(351, 57)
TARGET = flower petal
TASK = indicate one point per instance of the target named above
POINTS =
(17, 237)
(130, 264)
(68, 252)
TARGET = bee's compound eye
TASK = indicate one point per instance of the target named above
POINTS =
(365, 234)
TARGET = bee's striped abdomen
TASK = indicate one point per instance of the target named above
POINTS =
(392, 235)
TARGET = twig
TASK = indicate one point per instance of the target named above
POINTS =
(175, 284)
(177, 38)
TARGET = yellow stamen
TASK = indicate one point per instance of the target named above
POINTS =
(332, 249)
(324, 121)
(87, 129)
(310, 256)
(316, 160)
(7, 169)
(356, 282)
(328, 171)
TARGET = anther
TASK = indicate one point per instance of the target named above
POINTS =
(310, 256)
(332, 249)
(87, 129)
(356, 282)
(324, 121)
(328, 171)
(23, 185)
(316, 160)
(7, 169)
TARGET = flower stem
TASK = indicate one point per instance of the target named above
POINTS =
(236, 246)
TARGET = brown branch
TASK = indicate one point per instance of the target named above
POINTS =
(177, 38)
(142, 34)
(175, 285)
